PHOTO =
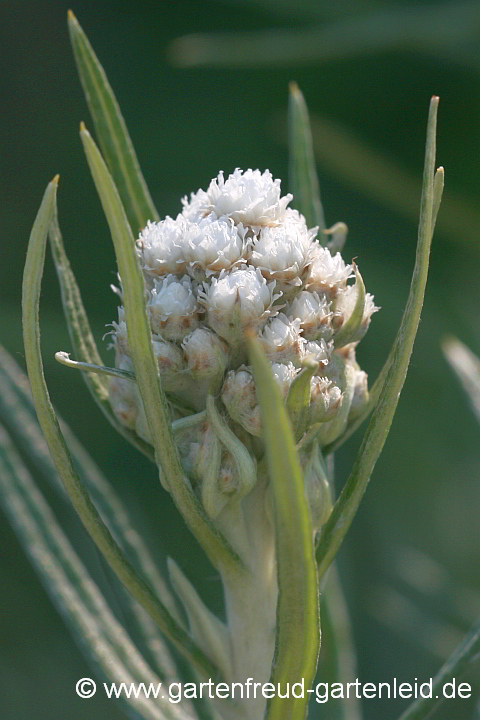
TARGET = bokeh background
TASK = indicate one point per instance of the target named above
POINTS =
(411, 563)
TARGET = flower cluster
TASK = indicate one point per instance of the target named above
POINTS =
(237, 258)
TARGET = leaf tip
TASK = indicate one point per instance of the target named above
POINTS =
(83, 129)
(56, 180)
(293, 87)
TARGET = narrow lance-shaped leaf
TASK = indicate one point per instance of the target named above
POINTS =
(83, 342)
(81, 501)
(112, 131)
(379, 383)
(467, 652)
(298, 632)
(100, 635)
(347, 504)
(302, 169)
(146, 369)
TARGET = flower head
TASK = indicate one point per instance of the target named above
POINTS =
(238, 258)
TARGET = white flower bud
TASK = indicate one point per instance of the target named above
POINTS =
(325, 399)
(343, 376)
(170, 362)
(282, 340)
(317, 488)
(122, 395)
(237, 300)
(120, 333)
(360, 395)
(173, 307)
(318, 351)
(315, 314)
(250, 197)
(212, 245)
(240, 398)
(198, 207)
(344, 306)
(283, 253)
(205, 353)
(328, 274)
(161, 246)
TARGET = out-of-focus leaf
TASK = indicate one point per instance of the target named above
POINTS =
(382, 179)
(18, 415)
(111, 130)
(303, 177)
(146, 368)
(347, 504)
(467, 652)
(80, 498)
(409, 27)
(410, 622)
(298, 632)
(83, 342)
(103, 639)
(435, 584)
(467, 368)
(340, 665)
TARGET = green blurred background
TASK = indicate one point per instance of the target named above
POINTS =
(415, 544)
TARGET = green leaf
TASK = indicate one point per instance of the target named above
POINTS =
(103, 639)
(467, 368)
(347, 504)
(146, 369)
(302, 169)
(467, 652)
(379, 383)
(83, 342)
(80, 498)
(111, 130)
(298, 632)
